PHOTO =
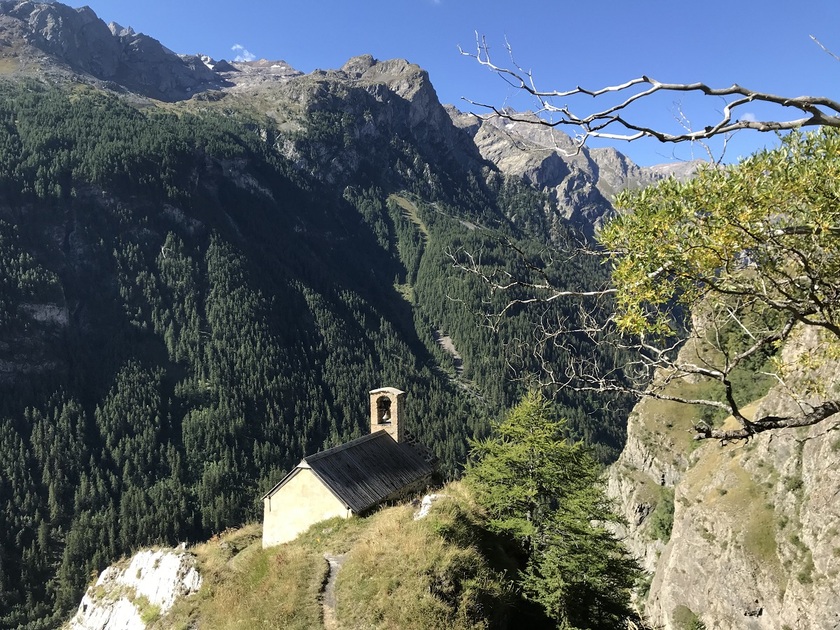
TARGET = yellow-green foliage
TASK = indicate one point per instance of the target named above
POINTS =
(739, 230)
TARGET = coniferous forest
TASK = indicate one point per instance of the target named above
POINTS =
(185, 312)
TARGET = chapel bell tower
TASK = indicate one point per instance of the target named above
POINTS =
(387, 406)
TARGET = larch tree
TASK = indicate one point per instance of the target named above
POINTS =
(546, 494)
(710, 276)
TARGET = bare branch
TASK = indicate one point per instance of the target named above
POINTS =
(768, 423)
(826, 50)
(815, 110)
(750, 251)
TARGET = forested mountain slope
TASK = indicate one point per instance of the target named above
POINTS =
(196, 293)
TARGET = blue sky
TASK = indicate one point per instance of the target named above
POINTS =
(762, 44)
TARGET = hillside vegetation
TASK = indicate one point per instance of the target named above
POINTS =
(523, 538)
(192, 299)
(443, 571)
(446, 570)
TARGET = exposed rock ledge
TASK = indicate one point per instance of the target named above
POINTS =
(752, 540)
(148, 587)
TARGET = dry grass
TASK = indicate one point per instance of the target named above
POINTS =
(404, 574)
(9, 65)
(398, 573)
(674, 421)
(279, 585)
(246, 586)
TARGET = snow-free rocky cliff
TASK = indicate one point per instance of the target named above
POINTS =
(55, 40)
(755, 540)
(128, 597)
(49, 39)
(581, 182)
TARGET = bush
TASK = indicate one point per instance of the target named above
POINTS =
(662, 517)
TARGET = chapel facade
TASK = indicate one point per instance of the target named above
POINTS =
(353, 478)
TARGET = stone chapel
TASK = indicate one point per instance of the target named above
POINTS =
(352, 478)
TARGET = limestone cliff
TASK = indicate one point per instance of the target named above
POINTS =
(581, 182)
(741, 535)
(129, 597)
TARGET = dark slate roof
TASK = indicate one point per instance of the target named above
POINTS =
(368, 470)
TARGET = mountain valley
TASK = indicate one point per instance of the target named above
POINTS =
(205, 265)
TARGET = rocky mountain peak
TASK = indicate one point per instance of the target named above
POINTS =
(581, 181)
(357, 66)
(76, 36)
(410, 82)
(76, 41)
(120, 31)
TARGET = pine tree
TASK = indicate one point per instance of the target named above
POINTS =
(546, 494)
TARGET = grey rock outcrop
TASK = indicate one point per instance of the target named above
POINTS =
(76, 41)
(581, 182)
(755, 536)
(125, 598)
(78, 36)
(359, 108)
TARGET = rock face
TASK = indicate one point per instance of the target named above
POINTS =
(72, 40)
(127, 598)
(357, 110)
(581, 183)
(755, 535)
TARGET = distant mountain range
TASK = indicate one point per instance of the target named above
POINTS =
(207, 264)
(54, 40)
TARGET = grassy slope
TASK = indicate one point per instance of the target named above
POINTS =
(439, 572)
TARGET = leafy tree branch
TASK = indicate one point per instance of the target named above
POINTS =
(709, 277)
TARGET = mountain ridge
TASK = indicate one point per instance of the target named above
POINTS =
(206, 268)
(579, 181)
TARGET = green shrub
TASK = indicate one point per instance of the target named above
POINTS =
(662, 517)
(686, 619)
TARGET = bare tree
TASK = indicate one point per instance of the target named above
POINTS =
(615, 123)
(709, 278)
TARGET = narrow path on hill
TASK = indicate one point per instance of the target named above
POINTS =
(328, 601)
